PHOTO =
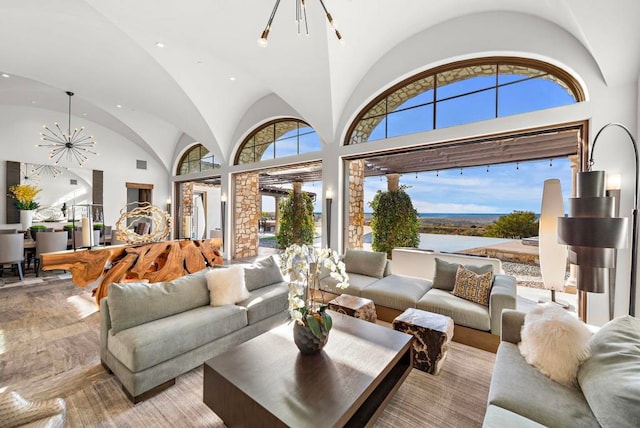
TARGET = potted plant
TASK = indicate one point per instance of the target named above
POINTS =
(69, 228)
(296, 220)
(35, 229)
(303, 264)
(25, 195)
(395, 221)
(100, 227)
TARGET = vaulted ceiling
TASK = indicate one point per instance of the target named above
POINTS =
(211, 71)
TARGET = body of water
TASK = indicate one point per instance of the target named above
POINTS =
(451, 243)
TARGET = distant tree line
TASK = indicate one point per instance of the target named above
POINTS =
(517, 225)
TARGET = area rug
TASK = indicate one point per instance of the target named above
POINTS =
(49, 347)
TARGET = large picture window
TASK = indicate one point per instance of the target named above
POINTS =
(285, 137)
(464, 92)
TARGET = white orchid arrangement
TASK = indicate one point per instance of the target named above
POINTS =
(303, 265)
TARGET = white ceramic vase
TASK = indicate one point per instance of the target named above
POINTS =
(26, 218)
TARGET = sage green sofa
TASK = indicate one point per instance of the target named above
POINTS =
(607, 393)
(409, 281)
(152, 333)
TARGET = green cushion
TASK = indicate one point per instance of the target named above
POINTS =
(369, 263)
(266, 301)
(397, 291)
(146, 345)
(463, 312)
(445, 276)
(134, 303)
(262, 273)
(610, 378)
(357, 283)
(520, 388)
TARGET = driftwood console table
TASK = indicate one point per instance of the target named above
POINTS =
(156, 262)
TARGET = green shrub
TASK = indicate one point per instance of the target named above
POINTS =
(395, 222)
(517, 225)
(296, 220)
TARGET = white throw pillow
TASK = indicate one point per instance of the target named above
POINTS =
(555, 342)
(226, 286)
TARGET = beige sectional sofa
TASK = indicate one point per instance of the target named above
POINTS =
(408, 282)
(152, 333)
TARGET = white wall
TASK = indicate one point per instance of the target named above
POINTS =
(19, 133)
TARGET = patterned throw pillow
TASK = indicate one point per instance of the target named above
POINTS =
(472, 286)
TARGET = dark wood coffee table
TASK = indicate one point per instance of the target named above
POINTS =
(268, 382)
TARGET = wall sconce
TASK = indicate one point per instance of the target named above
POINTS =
(329, 201)
(613, 181)
(592, 231)
(169, 206)
(223, 216)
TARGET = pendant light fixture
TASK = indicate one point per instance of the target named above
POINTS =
(301, 17)
(72, 145)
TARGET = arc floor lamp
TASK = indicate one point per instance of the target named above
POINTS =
(593, 232)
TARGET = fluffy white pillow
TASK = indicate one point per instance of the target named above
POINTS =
(555, 342)
(226, 285)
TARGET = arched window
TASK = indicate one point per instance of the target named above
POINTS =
(464, 92)
(276, 139)
(197, 159)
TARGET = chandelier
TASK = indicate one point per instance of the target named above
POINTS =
(50, 170)
(301, 17)
(72, 145)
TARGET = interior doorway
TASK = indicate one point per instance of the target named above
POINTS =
(198, 210)
(140, 193)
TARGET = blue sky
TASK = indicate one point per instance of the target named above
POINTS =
(501, 190)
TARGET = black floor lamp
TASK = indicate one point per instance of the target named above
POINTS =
(329, 201)
(593, 233)
(223, 217)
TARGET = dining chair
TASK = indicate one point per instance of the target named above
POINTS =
(12, 251)
(49, 242)
(106, 235)
(114, 238)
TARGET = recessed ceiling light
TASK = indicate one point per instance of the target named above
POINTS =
(232, 78)
(84, 114)
(34, 102)
(119, 106)
(5, 75)
(160, 44)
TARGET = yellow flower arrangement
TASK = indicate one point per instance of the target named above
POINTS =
(25, 196)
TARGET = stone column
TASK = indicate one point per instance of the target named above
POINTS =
(393, 182)
(185, 210)
(571, 285)
(356, 204)
(247, 214)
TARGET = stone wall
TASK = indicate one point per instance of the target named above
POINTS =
(247, 215)
(356, 204)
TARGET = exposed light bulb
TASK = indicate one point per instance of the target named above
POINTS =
(262, 42)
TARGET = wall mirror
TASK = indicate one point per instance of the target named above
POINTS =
(62, 188)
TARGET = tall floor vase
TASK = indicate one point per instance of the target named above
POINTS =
(26, 218)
